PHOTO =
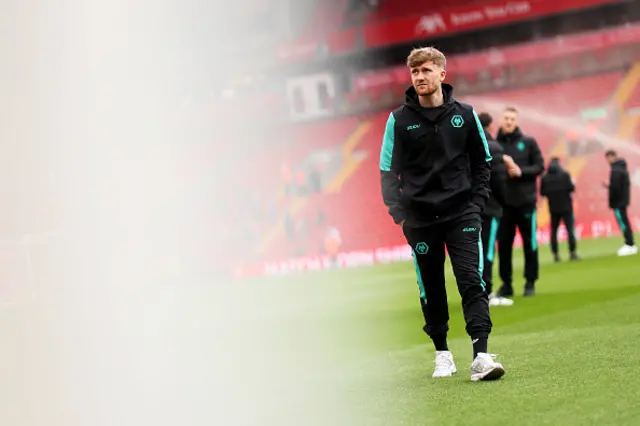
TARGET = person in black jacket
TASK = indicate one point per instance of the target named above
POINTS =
(619, 199)
(520, 208)
(435, 169)
(493, 210)
(557, 186)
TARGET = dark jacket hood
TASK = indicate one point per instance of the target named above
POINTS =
(619, 164)
(432, 114)
(554, 167)
(515, 135)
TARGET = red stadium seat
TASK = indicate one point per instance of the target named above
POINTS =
(358, 211)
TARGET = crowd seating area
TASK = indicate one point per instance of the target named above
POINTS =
(257, 197)
(634, 100)
(357, 210)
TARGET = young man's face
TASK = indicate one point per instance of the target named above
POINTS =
(610, 159)
(509, 121)
(427, 78)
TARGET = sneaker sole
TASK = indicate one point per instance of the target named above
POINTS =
(454, 371)
(493, 374)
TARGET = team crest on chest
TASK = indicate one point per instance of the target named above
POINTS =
(520, 146)
(457, 121)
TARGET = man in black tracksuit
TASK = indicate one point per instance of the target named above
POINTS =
(520, 209)
(557, 186)
(435, 170)
(493, 210)
(619, 199)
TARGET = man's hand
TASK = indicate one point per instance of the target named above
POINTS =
(514, 171)
(512, 168)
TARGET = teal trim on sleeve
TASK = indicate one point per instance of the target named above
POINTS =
(483, 137)
(388, 141)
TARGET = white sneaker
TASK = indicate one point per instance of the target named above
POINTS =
(445, 366)
(500, 301)
(506, 302)
(485, 368)
(627, 250)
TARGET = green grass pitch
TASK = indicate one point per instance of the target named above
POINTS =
(572, 353)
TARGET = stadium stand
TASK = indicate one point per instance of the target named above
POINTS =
(578, 93)
(357, 210)
(328, 15)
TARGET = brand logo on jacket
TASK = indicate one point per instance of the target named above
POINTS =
(520, 146)
(422, 248)
(457, 121)
(412, 127)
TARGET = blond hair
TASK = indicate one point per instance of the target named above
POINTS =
(421, 55)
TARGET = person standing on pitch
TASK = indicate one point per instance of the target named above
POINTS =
(493, 211)
(619, 198)
(435, 167)
(520, 208)
(557, 186)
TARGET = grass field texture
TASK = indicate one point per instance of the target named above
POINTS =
(572, 353)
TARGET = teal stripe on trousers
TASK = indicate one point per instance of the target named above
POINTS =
(493, 234)
(621, 224)
(481, 261)
(423, 293)
(534, 231)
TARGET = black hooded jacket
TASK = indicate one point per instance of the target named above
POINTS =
(434, 162)
(557, 186)
(522, 191)
(619, 185)
(498, 178)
